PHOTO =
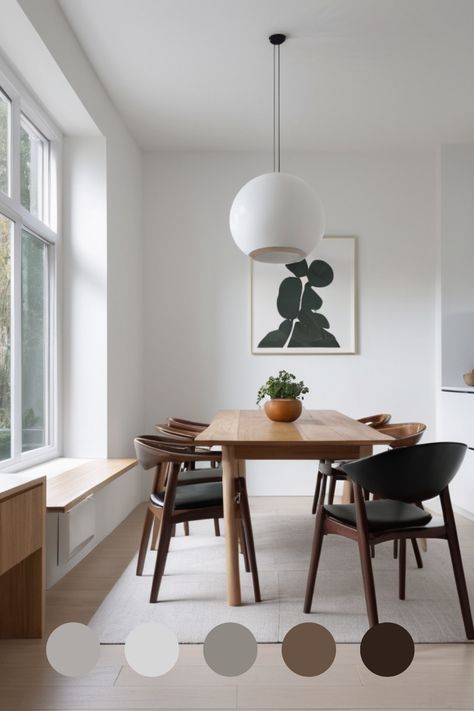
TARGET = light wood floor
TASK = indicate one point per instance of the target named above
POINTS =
(441, 676)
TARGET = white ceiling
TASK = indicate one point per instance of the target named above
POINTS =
(356, 74)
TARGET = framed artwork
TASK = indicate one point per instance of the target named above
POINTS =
(308, 306)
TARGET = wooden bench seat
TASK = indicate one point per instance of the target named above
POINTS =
(65, 490)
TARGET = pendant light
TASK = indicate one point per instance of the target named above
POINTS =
(276, 217)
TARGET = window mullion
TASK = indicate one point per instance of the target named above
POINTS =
(16, 340)
(15, 150)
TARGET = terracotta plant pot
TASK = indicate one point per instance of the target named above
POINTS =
(283, 410)
(469, 378)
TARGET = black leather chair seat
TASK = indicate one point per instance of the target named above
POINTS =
(201, 473)
(382, 515)
(193, 496)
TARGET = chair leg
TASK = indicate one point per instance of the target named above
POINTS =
(248, 538)
(186, 528)
(416, 551)
(155, 534)
(395, 548)
(144, 541)
(332, 489)
(372, 551)
(402, 568)
(363, 540)
(163, 547)
(217, 530)
(317, 491)
(315, 556)
(243, 545)
(457, 563)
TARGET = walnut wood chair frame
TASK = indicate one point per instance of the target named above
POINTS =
(189, 425)
(403, 476)
(167, 459)
(186, 430)
(326, 468)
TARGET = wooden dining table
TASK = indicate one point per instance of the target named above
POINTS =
(249, 434)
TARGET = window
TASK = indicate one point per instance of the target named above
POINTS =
(29, 146)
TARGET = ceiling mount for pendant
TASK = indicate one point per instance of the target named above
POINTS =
(277, 39)
(276, 217)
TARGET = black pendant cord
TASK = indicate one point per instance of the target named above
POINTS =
(276, 108)
(276, 41)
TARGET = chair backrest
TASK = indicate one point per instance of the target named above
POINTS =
(152, 450)
(175, 433)
(406, 434)
(376, 421)
(410, 474)
(182, 424)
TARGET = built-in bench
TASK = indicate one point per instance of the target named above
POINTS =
(66, 490)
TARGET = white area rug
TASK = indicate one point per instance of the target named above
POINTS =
(192, 596)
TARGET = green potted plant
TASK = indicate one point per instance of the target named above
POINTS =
(285, 393)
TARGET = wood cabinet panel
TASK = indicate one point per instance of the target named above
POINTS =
(21, 526)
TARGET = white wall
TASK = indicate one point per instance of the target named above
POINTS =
(84, 302)
(456, 409)
(197, 336)
(457, 260)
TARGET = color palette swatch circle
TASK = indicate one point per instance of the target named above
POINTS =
(308, 649)
(387, 649)
(230, 649)
(151, 649)
(73, 649)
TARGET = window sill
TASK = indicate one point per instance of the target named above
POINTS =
(50, 468)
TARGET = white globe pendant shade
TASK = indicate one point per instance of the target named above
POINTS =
(277, 218)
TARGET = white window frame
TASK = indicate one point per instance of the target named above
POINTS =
(22, 102)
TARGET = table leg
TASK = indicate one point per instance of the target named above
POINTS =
(229, 471)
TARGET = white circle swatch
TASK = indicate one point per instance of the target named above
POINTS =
(73, 649)
(151, 649)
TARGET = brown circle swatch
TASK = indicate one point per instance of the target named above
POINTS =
(308, 649)
(230, 649)
(387, 649)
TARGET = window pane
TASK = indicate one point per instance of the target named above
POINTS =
(4, 143)
(5, 332)
(34, 153)
(34, 323)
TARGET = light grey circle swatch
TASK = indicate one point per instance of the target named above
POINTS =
(230, 649)
(151, 649)
(73, 649)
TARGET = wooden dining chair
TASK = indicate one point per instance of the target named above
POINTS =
(401, 478)
(188, 474)
(171, 504)
(327, 468)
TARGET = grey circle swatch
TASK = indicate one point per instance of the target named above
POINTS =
(151, 649)
(73, 649)
(387, 649)
(308, 649)
(230, 649)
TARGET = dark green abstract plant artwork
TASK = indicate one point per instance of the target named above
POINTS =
(299, 304)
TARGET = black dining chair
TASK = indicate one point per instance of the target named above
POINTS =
(402, 478)
(170, 504)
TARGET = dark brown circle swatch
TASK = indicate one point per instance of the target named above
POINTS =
(387, 649)
(230, 649)
(308, 649)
